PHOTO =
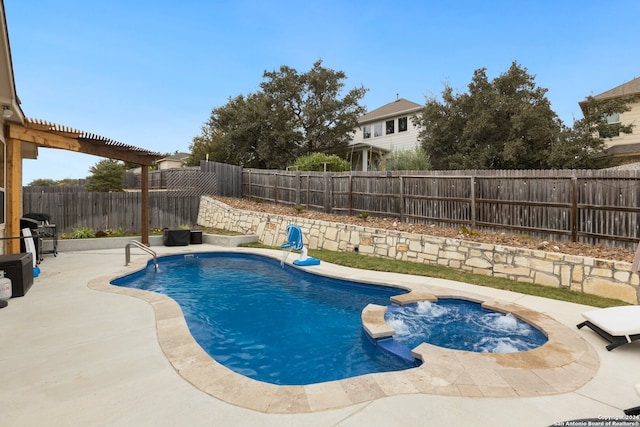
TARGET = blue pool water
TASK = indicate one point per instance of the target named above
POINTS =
(278, 325)
(461, 325)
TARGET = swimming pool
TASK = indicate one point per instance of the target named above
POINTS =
(445, 372)
(278, 325)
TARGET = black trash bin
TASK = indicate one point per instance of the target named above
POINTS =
(195, 238)
(176, 237)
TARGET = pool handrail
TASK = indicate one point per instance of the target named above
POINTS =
(127, 252)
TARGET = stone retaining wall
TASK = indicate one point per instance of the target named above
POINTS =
(612, 279)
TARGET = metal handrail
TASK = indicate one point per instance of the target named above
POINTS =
(127, 252)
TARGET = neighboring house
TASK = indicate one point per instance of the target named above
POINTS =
(177, 160)
(625, 146)
(382, 131)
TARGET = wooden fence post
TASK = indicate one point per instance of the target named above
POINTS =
(473, 201)
(250, 195)
(350, 193)
(574, 208)
(327, 192)
(308, 190)
(275, 187)
(401, 178)
(298, 188)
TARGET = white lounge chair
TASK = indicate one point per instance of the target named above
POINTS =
(618, 325)
(635, 410)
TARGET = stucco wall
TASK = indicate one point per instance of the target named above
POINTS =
(605, 278)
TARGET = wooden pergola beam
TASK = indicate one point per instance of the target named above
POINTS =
(53, 140)
(53, 136)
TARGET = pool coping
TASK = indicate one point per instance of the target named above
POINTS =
(565, 363)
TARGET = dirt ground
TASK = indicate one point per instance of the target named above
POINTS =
(506, 239)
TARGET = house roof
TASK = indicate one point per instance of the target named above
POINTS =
(624, 150)
(8, 96)
(629, 88)
(395, 108)
(177, 157)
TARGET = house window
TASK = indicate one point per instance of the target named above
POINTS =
(366, 132)
(402, 124)
(613, 126)
(390, 125)
(377, 129)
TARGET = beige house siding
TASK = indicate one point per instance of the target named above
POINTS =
(169, 164)
(629, 117)
(625, 147)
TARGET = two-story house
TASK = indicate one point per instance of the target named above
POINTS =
(625, 146)
(382, 131)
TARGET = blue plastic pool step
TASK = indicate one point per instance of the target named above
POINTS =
(394, 347)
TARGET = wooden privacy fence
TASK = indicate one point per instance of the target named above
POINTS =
(72, 207)
(174, 202)
(588, 206)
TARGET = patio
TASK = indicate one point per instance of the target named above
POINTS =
(70, 355)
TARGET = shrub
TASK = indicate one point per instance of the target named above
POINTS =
(316, 162)
(82, 233)
(119, 232)
(414, 160)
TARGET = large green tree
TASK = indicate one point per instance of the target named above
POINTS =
(506, 123)
(294, 114)
(106, 175)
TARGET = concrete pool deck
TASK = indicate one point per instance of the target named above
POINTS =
(71, 355)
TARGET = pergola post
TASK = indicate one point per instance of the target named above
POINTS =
(13, 194)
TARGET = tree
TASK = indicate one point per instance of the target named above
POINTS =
(106, 175)
(245, 132)
(310, 102)
(506, 123)
(292, 115)
(68, 182)
(46, 182)
(42, 182)
(321, 162)
(205, 146)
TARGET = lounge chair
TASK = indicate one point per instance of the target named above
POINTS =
(635, 410)
(618, 325)
(294, 241)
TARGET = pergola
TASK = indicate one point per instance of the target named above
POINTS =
(22, 141)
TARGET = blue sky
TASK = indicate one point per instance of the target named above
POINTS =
(148, 73)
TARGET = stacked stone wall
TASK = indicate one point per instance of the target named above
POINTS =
(612, 279)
